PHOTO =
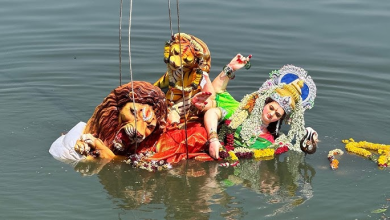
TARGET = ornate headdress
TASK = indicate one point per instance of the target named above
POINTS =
(295, 92)
(292, 76)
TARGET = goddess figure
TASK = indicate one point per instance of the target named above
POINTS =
(255, 122)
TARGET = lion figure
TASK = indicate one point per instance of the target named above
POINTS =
(130, 114)
(120, 123)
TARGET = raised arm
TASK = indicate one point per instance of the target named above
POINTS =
(221, 81)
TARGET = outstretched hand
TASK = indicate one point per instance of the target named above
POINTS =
(199, 100)
(240, 61)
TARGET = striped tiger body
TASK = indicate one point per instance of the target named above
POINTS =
(187, 57)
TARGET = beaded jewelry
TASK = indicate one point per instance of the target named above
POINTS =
(229, 72)
(212, 135)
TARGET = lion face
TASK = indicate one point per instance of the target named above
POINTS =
(136, 122)
(118, 124)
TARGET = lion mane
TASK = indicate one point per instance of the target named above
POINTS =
(104, 122)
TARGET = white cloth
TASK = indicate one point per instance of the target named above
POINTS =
(203, 81)
(63, 148)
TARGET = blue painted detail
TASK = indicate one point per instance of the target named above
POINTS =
(305, 92)
(290, 77)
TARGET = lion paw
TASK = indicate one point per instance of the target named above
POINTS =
(84, 144)
(82, 148)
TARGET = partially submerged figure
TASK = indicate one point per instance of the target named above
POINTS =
(255, 122)
(131, 115)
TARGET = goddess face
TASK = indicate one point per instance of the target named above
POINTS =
(272, 112)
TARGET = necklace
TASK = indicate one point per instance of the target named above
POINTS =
(262, 129)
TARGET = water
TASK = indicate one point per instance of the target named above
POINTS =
(59, 59)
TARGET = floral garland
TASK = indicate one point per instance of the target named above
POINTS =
(297, 128)
(249, 115)
(139, 161)
(243, 110)
(254, 120)
(334, 163)
(364, 148)
(232, 154)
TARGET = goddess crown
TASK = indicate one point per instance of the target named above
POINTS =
(297, 84)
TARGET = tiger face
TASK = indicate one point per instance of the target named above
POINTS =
(137, 121)
(189, 56)
(188, 52)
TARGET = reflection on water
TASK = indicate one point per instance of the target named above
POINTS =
(285, 180)
(281, 184)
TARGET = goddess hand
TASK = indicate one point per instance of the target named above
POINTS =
(199, 100)
(240, 61)
(214, 148)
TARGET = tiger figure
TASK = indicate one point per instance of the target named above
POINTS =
(188, 55)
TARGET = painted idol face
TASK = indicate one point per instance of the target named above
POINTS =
(272, 112)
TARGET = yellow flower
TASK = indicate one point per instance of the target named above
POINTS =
(268, 152)
(362, 148)
(334, 164)
(382, 160)
(233, 156)
(358, 151)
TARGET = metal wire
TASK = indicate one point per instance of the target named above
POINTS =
(182, 77)
(170, 19)
(131, 74)
(120, 43)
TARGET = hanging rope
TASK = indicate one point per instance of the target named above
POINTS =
(131, 75)
(182, 77)
(120, 62)
(170, 19)
(120, 43)
(130, 67)
(131, 72)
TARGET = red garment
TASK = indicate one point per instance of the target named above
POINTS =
(171, 146)
(268, 136)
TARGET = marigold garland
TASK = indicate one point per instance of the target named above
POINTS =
(264, 153)
(246, 153)
(364, 148)
(334, 163)
(233, 156)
